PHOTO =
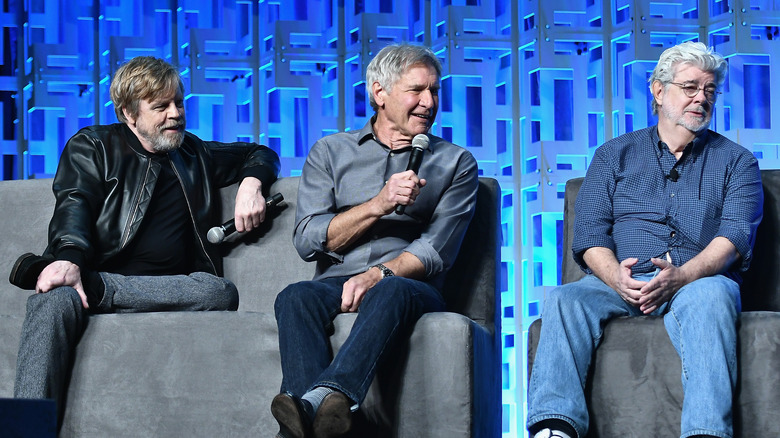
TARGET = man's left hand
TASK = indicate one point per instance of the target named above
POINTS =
(250, 205)
(663, 287)
(355, 289)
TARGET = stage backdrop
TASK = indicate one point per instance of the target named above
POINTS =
(530, 87)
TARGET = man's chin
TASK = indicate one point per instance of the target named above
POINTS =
(420, 129)
(168, 146)
(696, 126)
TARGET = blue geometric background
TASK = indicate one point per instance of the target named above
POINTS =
(530, 87)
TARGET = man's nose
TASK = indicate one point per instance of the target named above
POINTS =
(175, 111)
(426, 99)
(700, 96)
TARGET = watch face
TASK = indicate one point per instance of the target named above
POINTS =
(386, 272)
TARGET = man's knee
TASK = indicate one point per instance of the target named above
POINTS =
(62, 303)
(717, 293)
(222, 294)
(565, 297)
(229, 296)
(226, 296)
(59, 299)
(392, 292)
(291, 297)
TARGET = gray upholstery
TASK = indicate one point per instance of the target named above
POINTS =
(634, 387)
(214, 373)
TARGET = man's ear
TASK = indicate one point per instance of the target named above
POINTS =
(128, 116)
(379, 94)
(657, 89)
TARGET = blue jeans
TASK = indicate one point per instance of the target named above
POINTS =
(386, 316)
(701, 322)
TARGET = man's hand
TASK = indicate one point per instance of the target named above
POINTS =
(401, 189)
(61, 273)
(250, 205)
(354, 290)
(663, 287)
(626, 286)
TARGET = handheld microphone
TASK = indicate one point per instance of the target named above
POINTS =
(674, 175)
(419, 144)
(217, 234)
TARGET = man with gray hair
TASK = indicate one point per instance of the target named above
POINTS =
(134, 202)
(665, 222)
(383, 239)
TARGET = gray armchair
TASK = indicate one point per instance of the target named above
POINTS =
(215, 373)
(634, 387)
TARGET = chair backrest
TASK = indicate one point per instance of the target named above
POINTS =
(760, 283)
(471, 287)
(262, 263)
(570, 271)
(760, 289)
(27, 206)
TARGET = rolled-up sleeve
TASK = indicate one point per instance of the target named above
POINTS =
(593, 218)
(439, 243)
(742, 207)
(316, 206)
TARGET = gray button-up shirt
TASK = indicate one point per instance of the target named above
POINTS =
(349, 168)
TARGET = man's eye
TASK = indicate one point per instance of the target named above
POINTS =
(691, 88)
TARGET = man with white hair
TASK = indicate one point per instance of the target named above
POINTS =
(665, 222)
(387, 267)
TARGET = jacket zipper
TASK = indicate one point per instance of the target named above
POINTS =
(136, 207)
(192, 218)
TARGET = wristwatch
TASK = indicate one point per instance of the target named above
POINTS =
(386, 272)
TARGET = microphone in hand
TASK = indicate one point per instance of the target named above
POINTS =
(419, 144)
(218, 234)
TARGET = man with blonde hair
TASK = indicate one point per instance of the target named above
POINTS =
(665, 223)
(134, 202)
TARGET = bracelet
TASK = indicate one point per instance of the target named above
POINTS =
(386, 272)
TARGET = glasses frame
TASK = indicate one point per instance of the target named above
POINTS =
(686, 87)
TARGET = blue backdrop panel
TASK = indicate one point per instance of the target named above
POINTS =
(531, 88)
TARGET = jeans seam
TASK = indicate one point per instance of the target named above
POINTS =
(680, 342)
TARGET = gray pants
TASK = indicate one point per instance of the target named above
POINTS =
(56, 320)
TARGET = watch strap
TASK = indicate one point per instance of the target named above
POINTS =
(386, 272)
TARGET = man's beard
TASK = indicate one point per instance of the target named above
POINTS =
(161, 140)
(680, 119)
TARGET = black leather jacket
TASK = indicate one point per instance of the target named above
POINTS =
(105, 180)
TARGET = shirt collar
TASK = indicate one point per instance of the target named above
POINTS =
(367, 133)
(695, 147)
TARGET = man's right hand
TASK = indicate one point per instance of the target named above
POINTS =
(349, 225)
(604, 264)
(625, 285)
(61, 273)
(401, 189)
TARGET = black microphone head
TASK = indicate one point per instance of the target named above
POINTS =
(420, 141)
(216, 235)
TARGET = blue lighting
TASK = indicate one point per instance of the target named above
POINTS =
(518, 89)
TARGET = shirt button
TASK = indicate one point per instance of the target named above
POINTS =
(392, 154)
(671, 195)
(672, 234)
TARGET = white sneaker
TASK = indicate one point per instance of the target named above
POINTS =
(549, 433)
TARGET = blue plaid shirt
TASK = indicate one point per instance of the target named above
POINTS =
(629, 203)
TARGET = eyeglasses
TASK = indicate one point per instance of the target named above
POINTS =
(691, 90)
